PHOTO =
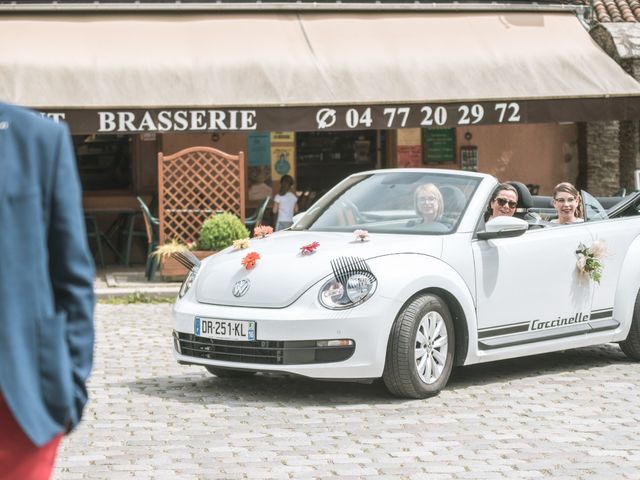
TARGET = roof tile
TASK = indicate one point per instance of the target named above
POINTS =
(616, 10)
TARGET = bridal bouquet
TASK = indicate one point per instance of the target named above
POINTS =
(590, 260)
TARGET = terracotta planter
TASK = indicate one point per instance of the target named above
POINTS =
(170, 269)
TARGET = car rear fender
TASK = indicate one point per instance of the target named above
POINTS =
(627, 289)
(408, 275)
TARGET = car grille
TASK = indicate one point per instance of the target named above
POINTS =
(273, 352)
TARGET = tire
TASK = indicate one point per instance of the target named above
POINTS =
(228, 372)
(406, 372)
(631, 345)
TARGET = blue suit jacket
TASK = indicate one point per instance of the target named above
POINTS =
(46, 276)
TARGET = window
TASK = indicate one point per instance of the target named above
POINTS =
(104, 161)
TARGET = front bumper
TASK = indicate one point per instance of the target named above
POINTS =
(287, 338)
(272, 352)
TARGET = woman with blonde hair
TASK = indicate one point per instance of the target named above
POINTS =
(568, 204)
(429, 203)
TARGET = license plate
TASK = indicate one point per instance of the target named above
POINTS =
(240, 330)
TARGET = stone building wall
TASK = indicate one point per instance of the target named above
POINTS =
(629, 134)
(603, 158)
(629, 153)
(613, 148)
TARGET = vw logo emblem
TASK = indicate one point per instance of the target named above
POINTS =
(241, 287)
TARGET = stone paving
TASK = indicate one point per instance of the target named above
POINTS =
(569, 415)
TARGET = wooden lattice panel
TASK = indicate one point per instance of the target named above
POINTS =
(194, 184)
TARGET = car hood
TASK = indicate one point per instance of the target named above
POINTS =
(283, 274)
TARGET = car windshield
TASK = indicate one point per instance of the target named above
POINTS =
(593, 210)
(393, 202)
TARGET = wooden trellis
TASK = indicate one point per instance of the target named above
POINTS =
(194, 184)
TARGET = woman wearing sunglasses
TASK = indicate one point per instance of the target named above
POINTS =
(567, 202)
(503, 202)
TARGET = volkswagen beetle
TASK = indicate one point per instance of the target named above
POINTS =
(367, 285)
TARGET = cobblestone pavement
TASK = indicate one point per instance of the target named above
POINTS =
(574, 414)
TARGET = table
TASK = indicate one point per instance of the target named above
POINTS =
(123, 223)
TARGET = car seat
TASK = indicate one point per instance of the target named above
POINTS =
(454, 203)
(525, 202)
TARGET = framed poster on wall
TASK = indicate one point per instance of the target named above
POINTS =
(282, 162)
(469, 158)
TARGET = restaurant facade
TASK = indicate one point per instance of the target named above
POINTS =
(314, 90)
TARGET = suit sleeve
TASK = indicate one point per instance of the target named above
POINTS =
(71, 268)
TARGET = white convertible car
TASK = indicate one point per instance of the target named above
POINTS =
(362, 287)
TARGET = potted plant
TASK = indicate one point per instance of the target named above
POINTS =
(217, 232)
(220, 230)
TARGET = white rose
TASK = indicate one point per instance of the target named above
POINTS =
(581, 264)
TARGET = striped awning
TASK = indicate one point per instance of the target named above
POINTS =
(214, 71)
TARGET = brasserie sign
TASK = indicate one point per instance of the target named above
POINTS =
(342, 117)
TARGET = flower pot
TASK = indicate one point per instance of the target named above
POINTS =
(171, 269)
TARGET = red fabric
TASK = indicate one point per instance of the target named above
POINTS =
(19, 458)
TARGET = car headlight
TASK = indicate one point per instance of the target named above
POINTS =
(186, 285)
(354, 290)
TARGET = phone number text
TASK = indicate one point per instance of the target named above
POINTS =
(421, 116)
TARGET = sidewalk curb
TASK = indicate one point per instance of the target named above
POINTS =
(126, 291)
(125, 282)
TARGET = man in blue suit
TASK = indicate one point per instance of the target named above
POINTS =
(46, 293)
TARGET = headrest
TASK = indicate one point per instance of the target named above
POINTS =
(525, 200)
(454, 199)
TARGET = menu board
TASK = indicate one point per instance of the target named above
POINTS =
(439, 145)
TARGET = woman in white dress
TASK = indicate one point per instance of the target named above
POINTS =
(568, 204)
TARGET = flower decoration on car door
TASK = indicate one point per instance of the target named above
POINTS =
(589, 261)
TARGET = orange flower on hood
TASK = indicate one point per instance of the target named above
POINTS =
(250, 259)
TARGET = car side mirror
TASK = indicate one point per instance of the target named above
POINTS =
(503, 227)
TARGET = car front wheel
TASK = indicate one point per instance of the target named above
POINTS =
(421, 349)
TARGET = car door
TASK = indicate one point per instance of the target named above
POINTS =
(527, 287)
(615, 235)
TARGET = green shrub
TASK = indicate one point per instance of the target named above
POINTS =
(220, 230)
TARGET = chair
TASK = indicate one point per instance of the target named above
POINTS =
(152, 226)
(256, 219)
(129, 232)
